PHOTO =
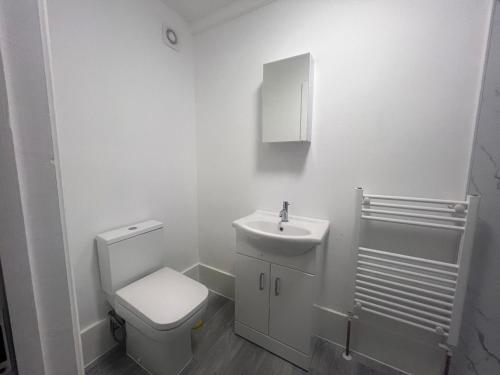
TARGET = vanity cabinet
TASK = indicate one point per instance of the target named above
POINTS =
(274, 304)
(276, 265)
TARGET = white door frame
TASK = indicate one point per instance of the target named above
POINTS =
(33, 247)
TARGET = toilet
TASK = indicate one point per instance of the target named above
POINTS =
(159, 305)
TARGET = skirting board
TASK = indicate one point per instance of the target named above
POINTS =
(218, 281)
(193, 272)
(376, 343)
(96, 341)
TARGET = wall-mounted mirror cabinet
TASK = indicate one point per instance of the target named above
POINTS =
(287, 92)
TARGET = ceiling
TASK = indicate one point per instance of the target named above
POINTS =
(195, 10)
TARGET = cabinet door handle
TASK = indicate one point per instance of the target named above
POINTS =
(261, 281)
(277, 288)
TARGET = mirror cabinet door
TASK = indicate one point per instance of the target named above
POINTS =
(287, 100)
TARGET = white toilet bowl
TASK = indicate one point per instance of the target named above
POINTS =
(159, 305)
(160, 311)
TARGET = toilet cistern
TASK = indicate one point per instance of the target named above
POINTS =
(284, 213)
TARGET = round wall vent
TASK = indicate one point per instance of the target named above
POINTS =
(170, 37)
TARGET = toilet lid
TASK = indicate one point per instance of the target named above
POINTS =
(163, 299)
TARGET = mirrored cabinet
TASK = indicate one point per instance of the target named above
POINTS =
(287, 93)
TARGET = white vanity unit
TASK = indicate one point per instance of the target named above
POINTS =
(276, 268)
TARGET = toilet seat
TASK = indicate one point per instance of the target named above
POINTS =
(162, 300)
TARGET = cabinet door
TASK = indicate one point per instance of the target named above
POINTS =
(252, 292)
(290, 317)
(286, 99)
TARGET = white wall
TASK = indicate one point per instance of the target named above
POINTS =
(126, 132)
(37, 275)
(396, 92)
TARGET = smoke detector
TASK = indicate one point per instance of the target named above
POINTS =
(170, 37)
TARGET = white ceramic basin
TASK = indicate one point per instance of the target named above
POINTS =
(298, 235)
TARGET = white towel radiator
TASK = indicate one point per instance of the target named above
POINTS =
(421, 292)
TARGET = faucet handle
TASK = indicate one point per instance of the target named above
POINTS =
(286, 204)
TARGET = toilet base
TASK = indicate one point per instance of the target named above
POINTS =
(160, 358)
(162, 352)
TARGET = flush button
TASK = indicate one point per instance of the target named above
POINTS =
(132, 228)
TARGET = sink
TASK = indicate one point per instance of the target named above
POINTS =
(295, 237)
(269, 227)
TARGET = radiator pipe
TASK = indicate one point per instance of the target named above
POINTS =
(447, 363)
(347, 353)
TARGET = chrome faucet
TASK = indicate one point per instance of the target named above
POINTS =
(284, 212)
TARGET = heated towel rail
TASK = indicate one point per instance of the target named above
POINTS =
(425, 293)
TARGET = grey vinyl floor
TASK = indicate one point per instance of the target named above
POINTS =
(218, 351)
